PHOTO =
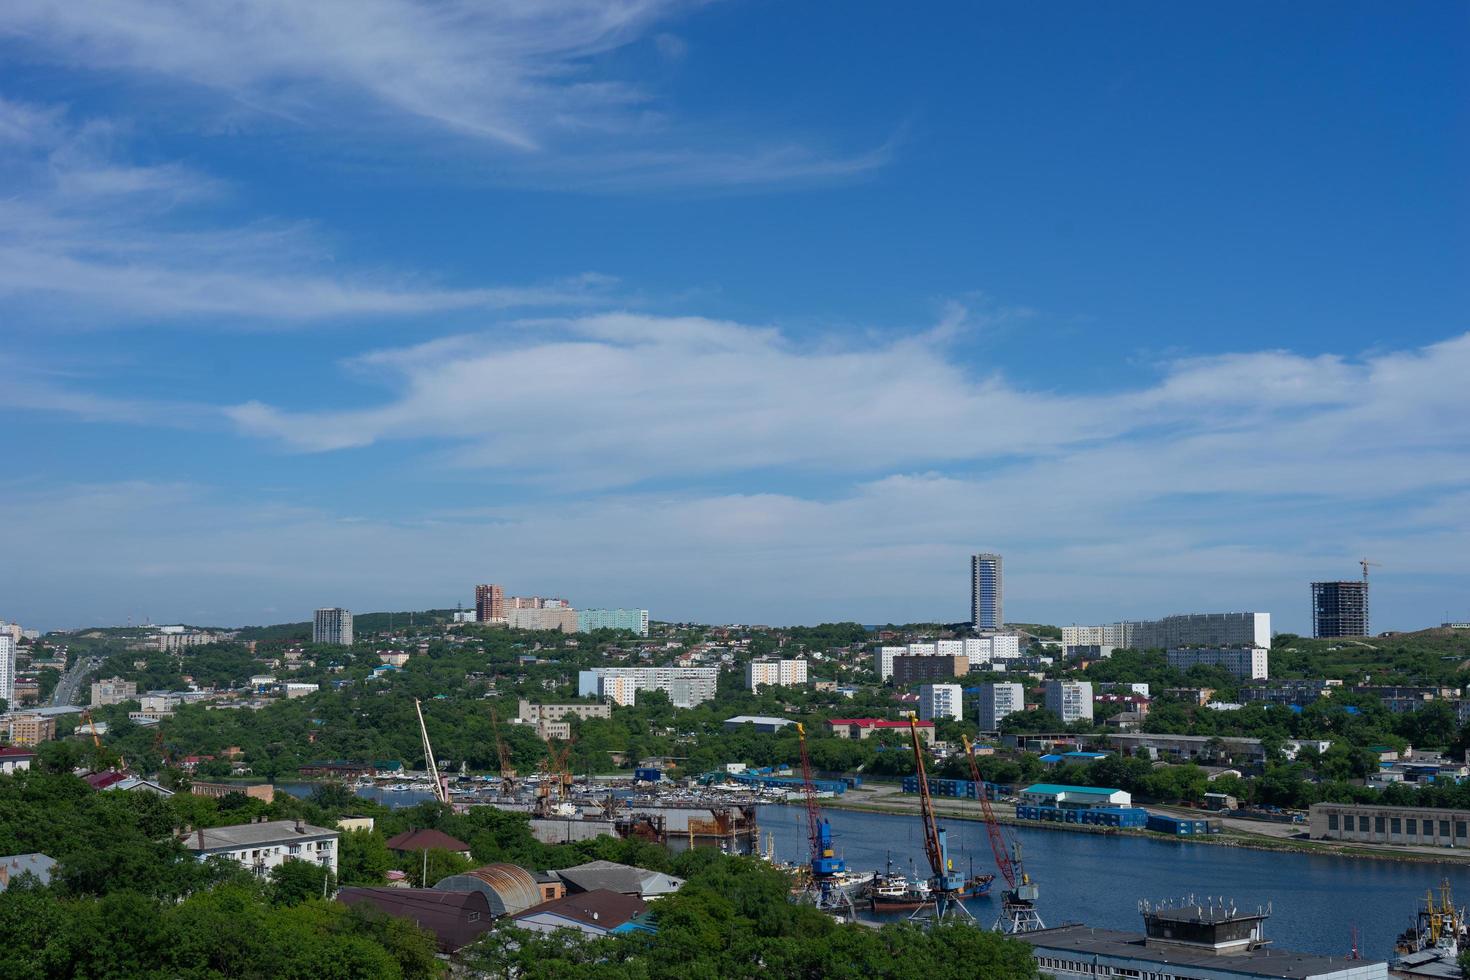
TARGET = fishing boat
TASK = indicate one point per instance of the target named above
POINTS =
(890, 892)
(1434, 940)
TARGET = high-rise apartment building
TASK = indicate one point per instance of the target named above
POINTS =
(7, 669)
(332, 626)
(619, 690)
(940, 701)
(489, 603)
(780, 673)
(997, 646)
(1069, 700)
(1247, 663)
(986, 593)
(1250, 629)
(542, 618)
(883, 661)
(1339, 609)
(997, 701)
(635, 620)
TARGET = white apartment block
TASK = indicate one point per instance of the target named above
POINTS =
(1000, 646)
(1249, 629)
(113, 690)
(543, 618)
(259, 847)
(1069, 700)
(1247, 663)
(686, 686)
(7, 669)
(940, 701)
(782, 673)
(997, 701)
(622, 691)
(883, 661)
(923, 649)
(949, 648)
(332, 626)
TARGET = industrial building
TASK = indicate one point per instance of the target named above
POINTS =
(1183, 748)
(1422, 826)
(1187, 941)
(997, 701)
(760, 723)
(508, 888)
(1057, 795)
(1339, 609)
(861, 728)
(550, 719)
(455, 918)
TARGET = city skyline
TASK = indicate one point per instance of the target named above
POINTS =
(304, 309)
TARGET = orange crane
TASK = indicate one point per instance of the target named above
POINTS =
(507, 766)
(96, 739)
(1018, 904)
(947, 887)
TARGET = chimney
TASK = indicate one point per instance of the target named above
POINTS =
(300, 826)
(201, 838)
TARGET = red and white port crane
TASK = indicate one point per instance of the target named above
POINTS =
(1018, 903)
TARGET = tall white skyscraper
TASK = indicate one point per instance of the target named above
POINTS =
(7, 669)
(332, 626)
(986, 592)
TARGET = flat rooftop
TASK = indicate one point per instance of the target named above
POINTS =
(1266, 962)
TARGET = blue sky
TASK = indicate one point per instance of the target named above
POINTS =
(738, 311)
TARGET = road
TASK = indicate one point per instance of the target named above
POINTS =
(70, 684)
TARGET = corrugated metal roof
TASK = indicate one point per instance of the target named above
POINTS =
(509, 888)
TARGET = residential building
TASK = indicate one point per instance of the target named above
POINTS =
(1191, 941)
(534, 714)
(910, 670)
(113, 690)
(543, 618)
(426, 839)
(299, 689)
(1339, 609)
(267, 844)
(619, 690)
(883, 661)
(686, 686)
(1069, 700)
(1420, 826)
(32, 729)
(1251, 629)
(996, 646)
(634, 620)
(14, 759)
(1298, 691)
(7, 668)
(1247, 663)
(489, 603)
(1087, 651)
(332, 626)
(777, 673)
(941, 700)
(38, 865)
(861, 728)
(997, 701)
(535, 602)
(986, 592)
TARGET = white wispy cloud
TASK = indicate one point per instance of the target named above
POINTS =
(525, 76)
(89, 238)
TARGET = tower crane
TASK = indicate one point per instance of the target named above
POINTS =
(507, 766)
(1018, 902)
(441, 792)
(825, 867)
(1365, 563)
(946, 885)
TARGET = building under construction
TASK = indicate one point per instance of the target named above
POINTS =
(1339, 609)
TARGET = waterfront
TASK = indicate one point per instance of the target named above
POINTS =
(1099, 879)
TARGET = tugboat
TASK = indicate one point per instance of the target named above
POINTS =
(1432, 944)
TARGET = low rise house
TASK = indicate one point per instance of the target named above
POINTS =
(14, 759)
(415, 841)
(267, 844)
(595, 913)
(861, 728)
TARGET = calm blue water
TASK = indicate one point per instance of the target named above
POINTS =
(1096, 879)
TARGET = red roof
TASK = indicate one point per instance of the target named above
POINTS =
(102, 780)
(877, 723)
(14, 752)
(425, 840)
